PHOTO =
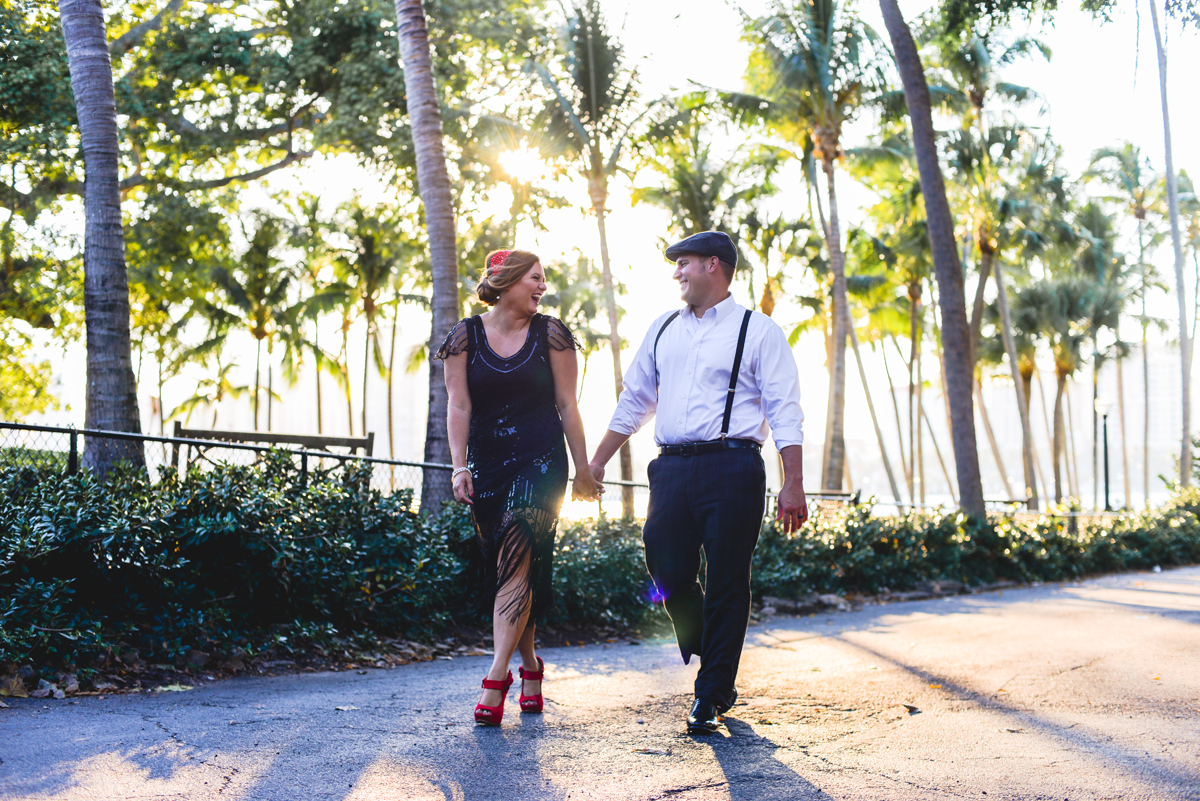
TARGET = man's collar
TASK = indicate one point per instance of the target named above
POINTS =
(719, 311)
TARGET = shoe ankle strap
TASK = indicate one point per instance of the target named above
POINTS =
(533, 675)
(502, 685)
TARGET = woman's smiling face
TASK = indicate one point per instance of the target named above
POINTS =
(527, 293)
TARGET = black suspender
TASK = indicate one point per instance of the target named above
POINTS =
(670, 320)
(733, 376)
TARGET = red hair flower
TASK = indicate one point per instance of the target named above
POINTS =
(497, 260)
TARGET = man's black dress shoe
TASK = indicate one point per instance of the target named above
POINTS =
(703, 717)
(723, 708)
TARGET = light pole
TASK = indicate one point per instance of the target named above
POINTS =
(1102, 407)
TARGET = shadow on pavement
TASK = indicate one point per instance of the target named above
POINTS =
(752, 770)
(1098, 744)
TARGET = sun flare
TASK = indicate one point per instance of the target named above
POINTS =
(523, 164)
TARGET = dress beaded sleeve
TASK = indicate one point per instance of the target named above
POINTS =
(456, 341)
(559, 336)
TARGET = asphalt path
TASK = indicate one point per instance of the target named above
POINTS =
(1072, 691)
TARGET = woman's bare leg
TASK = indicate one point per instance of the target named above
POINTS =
(529, 659)
(507, 634)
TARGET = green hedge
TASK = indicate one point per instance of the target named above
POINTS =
(248, 558)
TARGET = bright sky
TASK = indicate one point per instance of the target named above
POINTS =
(1101, 88)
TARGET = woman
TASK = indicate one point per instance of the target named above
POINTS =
(510, 375)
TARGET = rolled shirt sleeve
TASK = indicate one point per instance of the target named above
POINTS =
(639, 393)
(779, 383)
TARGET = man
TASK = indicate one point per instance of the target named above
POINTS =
(714, 375)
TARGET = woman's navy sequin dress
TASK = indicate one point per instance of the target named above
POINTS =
(517, 456)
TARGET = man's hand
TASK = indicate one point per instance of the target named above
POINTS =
(597, 472)
(793, 507)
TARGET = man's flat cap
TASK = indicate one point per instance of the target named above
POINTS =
(706, 243)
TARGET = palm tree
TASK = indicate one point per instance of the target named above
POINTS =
(425, 124)
(1062, 307)
(367, 270)
(1096, 257)
(822, 65)
(210, 392)
(111, 389)
(1131, 184)
(944, 251)
(589, 120)
(258, 297)
(1185, 341)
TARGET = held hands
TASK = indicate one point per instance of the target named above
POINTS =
(586, 487)
(464, 488)
(793, 508)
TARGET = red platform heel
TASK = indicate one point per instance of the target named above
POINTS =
(492, 715)
(531, 703)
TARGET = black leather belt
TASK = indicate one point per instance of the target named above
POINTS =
(708, 446)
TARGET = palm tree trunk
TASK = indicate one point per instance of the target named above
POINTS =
(1145, 408)
(940, 226)
(345, 369)
(896, 410)
(914, 308)
(1074, 473)
(1037, 376)
(987, 427)
(391, 372)
(841, 319)
(1010, 346)
(162, 423)
(1059, 447)
(1185, 344)
(862, 375)
(317, 346)
(598, 191)
(827, 332)
(920, 414)
(938, 452)
(257, 378)
(985, 270)
(366, 370)
(425, 124)
(1121, 415)
(270, 386)
(1095, 429)
(111, 389)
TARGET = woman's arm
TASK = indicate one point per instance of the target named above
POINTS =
(458, 423)
(564, 364)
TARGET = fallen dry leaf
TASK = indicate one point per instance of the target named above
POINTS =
(346, 708)
(1010, 731)
(912, 710)
(173, 688)
(936, 686)
(13, 687)
(653, 751)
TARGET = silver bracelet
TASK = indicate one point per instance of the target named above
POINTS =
(458, 470)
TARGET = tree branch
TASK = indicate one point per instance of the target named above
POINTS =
(300, 119)
(134, 36)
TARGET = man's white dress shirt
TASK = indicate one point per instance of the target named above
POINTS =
(695, 358)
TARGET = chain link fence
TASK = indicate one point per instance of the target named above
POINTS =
(68, 450)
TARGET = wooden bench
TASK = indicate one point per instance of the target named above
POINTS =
(306, 441)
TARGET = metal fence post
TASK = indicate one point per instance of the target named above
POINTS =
(73, 457)
(303, 469)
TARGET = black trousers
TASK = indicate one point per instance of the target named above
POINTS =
(712, 503)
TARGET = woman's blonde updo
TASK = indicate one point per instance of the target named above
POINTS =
(499, 277)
